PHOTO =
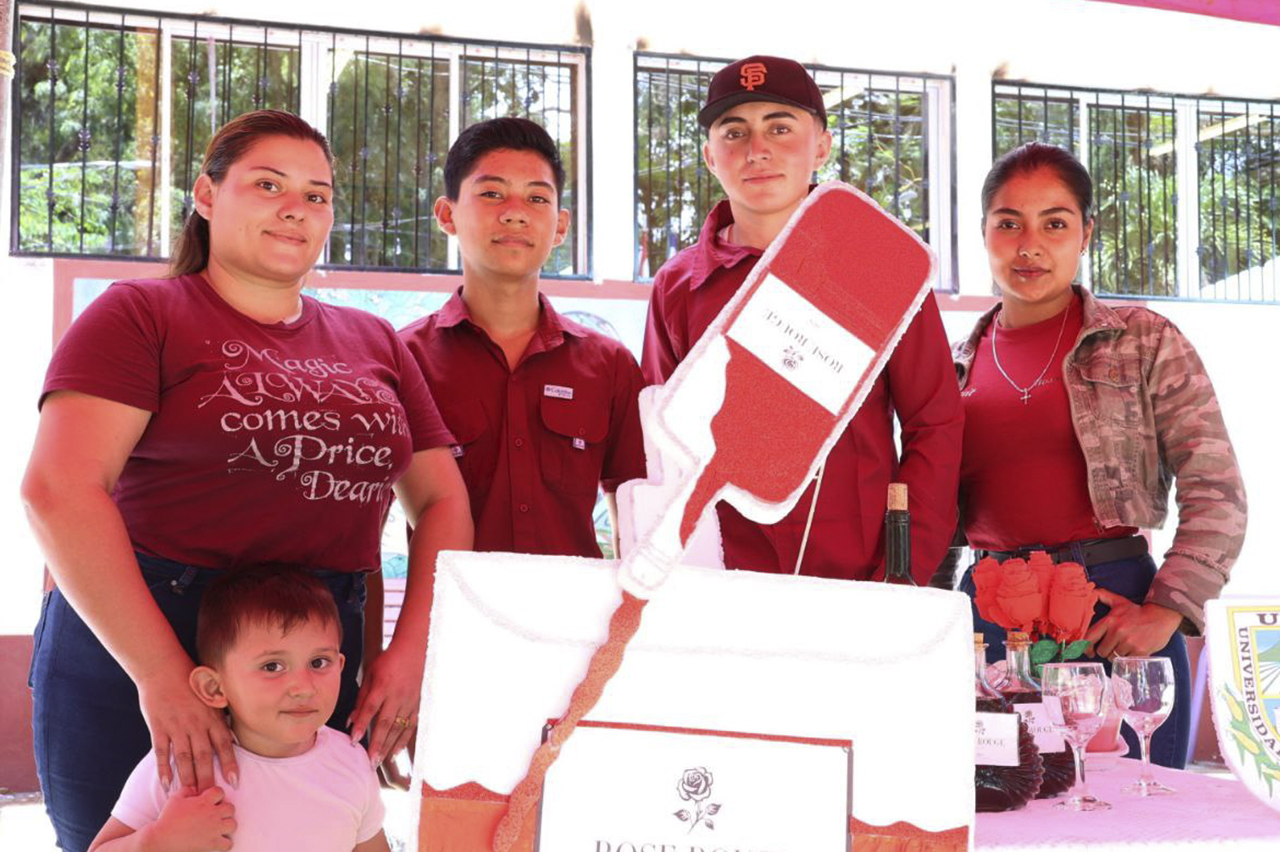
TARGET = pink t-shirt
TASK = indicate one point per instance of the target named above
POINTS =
(268, 443)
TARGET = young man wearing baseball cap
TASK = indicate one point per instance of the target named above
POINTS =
(766, 136)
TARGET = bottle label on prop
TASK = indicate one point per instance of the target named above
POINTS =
(1048, 740)
(996, 737)
(806, 347)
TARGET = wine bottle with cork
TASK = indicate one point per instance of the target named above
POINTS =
(897, 537)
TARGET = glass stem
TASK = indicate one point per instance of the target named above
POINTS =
(1080, 790)
(1145, 778)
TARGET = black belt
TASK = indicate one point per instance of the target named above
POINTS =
(1087, 552)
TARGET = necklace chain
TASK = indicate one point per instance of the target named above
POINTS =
(1026, 392)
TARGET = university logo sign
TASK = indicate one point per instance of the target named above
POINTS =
(1243, 637)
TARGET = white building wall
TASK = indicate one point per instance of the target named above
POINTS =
(1070, 42)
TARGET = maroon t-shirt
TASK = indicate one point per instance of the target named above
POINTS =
(1023, 479)
(918, 385)
(534, 443)
(268, 443)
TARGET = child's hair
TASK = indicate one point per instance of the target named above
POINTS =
(283, 597)
(510, 133)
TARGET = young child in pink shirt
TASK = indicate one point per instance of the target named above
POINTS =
(268, 641)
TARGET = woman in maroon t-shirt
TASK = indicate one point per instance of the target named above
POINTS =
(215, 419)
(1077, 417)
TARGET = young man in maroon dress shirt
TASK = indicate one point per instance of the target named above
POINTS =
(543, 410)
(766, 136)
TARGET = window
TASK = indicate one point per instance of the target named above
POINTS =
(891, 138)
(1185, 188)
(114, 110)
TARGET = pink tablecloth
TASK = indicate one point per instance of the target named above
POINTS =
(1207, 813)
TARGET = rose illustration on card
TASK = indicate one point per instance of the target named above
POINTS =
(694, 787)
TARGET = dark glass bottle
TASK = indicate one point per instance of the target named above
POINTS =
(1022, 690)
(1012, 776)
(897, 537)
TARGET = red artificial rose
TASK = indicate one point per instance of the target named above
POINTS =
(1019, 596)
(986, 579)
(1008, 595)
(1071, 601)
(1042, 566)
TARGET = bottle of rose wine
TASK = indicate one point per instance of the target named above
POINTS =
(1021, 690)
(897, 537)
(1007, 766)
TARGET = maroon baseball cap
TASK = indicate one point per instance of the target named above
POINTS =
(761, 78)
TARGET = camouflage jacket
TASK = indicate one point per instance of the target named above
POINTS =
(1145, 413)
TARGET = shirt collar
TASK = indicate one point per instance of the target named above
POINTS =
(453, 312)
(712, 253)
(551, 325)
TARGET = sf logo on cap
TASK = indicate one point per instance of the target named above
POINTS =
(752, 75)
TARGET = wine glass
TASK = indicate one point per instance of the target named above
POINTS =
(1142, 688)
(1075, 699)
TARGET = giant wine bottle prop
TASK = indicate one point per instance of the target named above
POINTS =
(782, 369)
(753, 410)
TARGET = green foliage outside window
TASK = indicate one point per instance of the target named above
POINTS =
(213, 82)
(389, 130)
(1133, 157)
(1135, 233)
(92, 182)
(76, 157)
(1239, 162)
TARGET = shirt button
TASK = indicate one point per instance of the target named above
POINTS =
(582, 431)
(519, 442)
(524, 508)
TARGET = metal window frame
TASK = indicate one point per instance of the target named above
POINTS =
(938, 114)
(313, 44)
(1185, 109)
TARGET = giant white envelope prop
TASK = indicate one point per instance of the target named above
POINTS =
(722, 650)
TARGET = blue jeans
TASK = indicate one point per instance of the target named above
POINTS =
(1131, 578)
(89, 731)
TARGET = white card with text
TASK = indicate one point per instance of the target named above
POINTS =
(622, 788)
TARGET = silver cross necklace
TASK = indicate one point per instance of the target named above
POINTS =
(1026, 392)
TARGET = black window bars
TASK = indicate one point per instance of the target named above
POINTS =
(114, 108)
(891, 137)
(1186, 191)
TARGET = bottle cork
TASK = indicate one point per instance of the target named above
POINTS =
(897, 497)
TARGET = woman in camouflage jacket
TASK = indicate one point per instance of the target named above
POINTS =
(1078, 418)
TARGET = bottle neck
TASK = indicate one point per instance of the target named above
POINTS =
(1018, 669)
(981, 689)
(897, 547)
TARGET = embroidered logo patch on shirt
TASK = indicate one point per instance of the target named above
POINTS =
(558, 391)
(579, 444)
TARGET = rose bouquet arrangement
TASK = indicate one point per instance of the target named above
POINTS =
(1052, 603)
